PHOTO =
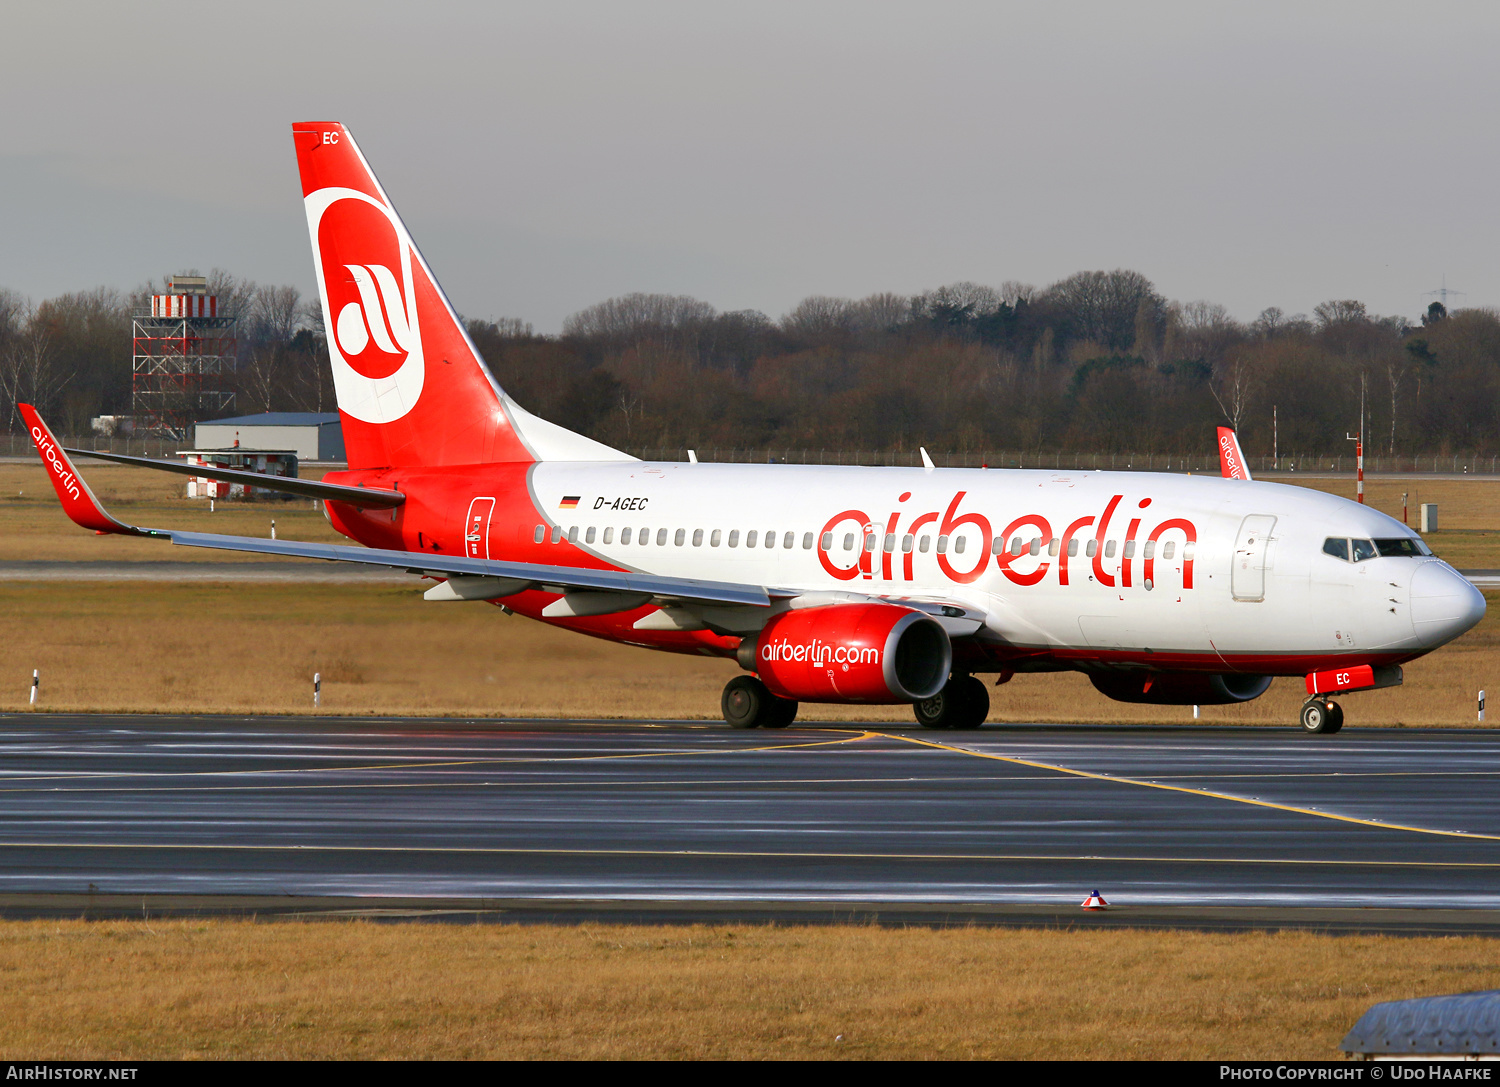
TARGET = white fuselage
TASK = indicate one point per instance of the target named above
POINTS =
(1191, 569)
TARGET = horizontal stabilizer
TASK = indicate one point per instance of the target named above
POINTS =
(363, 497)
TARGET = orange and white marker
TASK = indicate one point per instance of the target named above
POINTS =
(1095, 901)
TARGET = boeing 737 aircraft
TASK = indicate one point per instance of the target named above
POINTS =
(826, 584)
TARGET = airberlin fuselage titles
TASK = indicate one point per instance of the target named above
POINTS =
(1027, 536)
(826, 584)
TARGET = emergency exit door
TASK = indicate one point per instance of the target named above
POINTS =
(477, 529)
(1252, 555)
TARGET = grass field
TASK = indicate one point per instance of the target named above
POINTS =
(253, 648)
(237, 989)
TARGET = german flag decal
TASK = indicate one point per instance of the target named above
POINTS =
(569, 503)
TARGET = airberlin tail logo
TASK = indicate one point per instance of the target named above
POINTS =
(379, 316)
(366, 280)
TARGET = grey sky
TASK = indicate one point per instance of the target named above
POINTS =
(547, 156)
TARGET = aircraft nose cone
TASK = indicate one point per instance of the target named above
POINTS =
(1444, 603)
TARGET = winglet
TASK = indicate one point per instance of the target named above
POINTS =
(1231, 460)
(78, 501)
(927, 464)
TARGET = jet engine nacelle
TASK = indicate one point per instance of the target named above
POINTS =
(1181, 688)
(851, 653)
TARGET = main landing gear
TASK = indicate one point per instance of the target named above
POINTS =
(749, 703)
(1322, 716)
(962, 703)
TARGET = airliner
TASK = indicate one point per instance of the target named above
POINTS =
(852, 585)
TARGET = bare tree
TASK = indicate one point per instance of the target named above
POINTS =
(879, 312)
(1013, 292)
(1233, 386)
(30, 371)
(1103, 306)
(1395, 372)
(1337, 311)
(636, 320)
(276, 313)
(819, 317)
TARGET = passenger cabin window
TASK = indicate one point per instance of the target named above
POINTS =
(1052, 546)
(924, 543)
(573, 534)
(906, 544)
(679, 537)
(942, 545)
(734, 537)
(609, 535)
(789, 541)
(771, 538)
(624, 535)
(848, 541)
(1168, 548)
(557, 533)
(807, 538)
(643, 537)
(1363, 549)
(1109, 549)
(826, 543)
(750, 537)
(697, 537)
(1073, 548)
(717, 538)
(541, 533)
(661, 537)
(1092, 549)
(588, 537)
(1336, 547)
(958, 544)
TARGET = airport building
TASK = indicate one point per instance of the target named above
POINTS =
(310, 436)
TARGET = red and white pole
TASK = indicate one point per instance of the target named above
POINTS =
(1359, 467)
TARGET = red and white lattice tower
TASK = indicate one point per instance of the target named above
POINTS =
(184, 360)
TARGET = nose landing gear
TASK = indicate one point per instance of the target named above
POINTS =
(1322, 716)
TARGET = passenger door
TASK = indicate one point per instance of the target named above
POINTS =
(477, 528)
(1252, 553)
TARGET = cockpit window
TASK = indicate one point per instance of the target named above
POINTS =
(1405, 546)
(1363, 549)
(1336, 547)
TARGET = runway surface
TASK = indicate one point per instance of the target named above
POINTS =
(1016, 817)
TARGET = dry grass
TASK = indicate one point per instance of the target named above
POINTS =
(235, 989)
(253, 648)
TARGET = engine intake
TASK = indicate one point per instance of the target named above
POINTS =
(1180, 688)
(851, 653)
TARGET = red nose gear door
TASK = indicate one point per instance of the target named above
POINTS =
(477, 528)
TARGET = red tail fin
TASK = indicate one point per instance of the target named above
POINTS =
(1231, 460)
(411, 387)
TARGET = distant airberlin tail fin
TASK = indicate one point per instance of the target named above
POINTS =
(1231, 460)
(412, 389)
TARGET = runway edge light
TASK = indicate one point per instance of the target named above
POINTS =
(1095, 901)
